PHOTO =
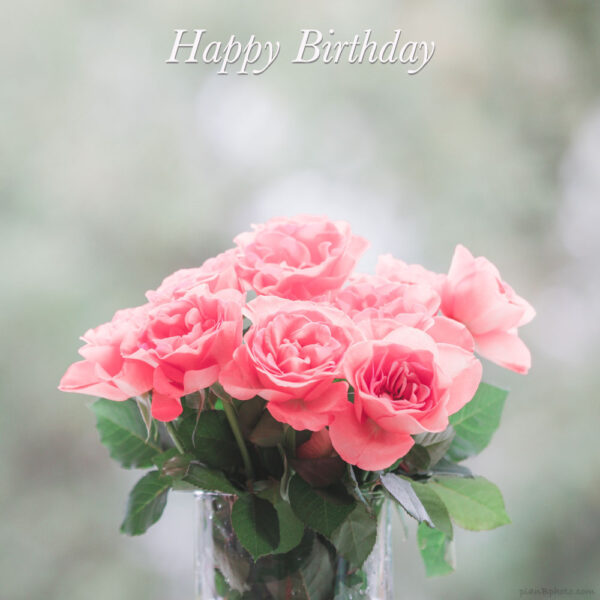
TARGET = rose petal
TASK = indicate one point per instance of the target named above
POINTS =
(165, 408)
(316, 410)
(412, 338)
(298, 414)
(318, 446)
(194, 381)
(366, 445)
(451, 332)
(238, 377)
(461, 262)
(505, 349)
(81, 377)
(464, 371)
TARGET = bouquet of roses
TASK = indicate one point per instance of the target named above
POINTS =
(308, 394)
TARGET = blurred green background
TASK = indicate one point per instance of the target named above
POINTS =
(116, 169)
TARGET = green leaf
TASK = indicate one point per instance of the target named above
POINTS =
(267, 432)
(476, 422)
(249, 413)
(212, 480)
(319, 472)
(279, 566)
(435, 444)
(123, 432)
(160, 459)
(436, 509)
(353, 486)
(256, 525)
(234, 563)
(270, 459)
(210, 440)
(473, 503)
(194, 401)
(436, 551)
(183, 468)
(313, 579)
(447, 467)
(417, 459)
(323, 509)
(402, 491)
(146, 503)
(144, 405)
(172, 463)
(355, 537)
(291, 529)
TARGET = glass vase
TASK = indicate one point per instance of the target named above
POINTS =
(311, 571)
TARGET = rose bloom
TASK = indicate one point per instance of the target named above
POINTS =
(104, 371)
(370, 297)
(440, 328)
(218, 273)
(405, 384)
(298, 258)
(397, 270)
(291, 356)
(186, 341)
(475, 295)
(379, 306)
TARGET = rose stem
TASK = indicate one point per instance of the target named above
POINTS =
(173, 433)
(237, 434)
(290, 440)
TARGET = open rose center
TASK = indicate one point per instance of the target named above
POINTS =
(405, 383)
(296, 344)
(180, 324)
(387, 300)
(297, 248)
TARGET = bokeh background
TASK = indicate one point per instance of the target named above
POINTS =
(116, 169)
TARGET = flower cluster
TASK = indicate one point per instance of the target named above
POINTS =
(368, 361)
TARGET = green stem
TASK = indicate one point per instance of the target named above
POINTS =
(290, 440)
(287, 474)
(173, 433)
(235, 427)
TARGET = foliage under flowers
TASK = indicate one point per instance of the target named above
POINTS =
(313, 401)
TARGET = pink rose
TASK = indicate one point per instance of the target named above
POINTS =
(405, 384)
(475, 295)
(440, 328)
(298, 258)
(379, 306)
(186, 341)
(369, 297)
(218, 273)
(291, 356)
(395, 269)
(104, 371)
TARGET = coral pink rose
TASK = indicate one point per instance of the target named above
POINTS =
(291, 356)
(218, 273)
(104, 371)
(475, 295)
(186, 341)
(404, 384)
(368, 297)
(298, 258)
(397, 270)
